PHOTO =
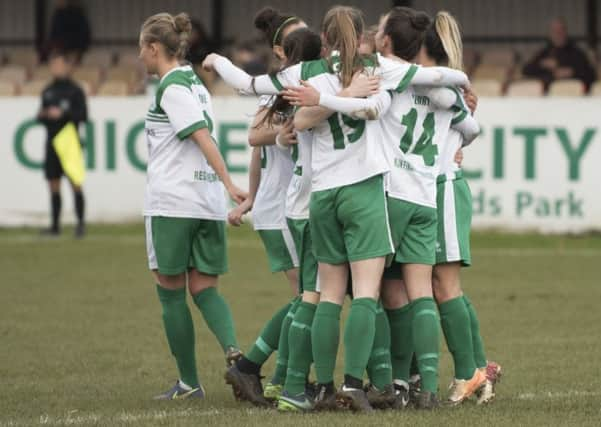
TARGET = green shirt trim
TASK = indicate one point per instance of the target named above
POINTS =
(185, 78)
(459, 117)
(185, 133)
(404, 83)
(276, 83)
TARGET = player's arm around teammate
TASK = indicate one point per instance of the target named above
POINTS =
(185, 202)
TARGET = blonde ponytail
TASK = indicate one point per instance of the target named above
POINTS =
(342, 26)
(450, 36)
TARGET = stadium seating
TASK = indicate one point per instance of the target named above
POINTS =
(91, 74)
(26, 57)
(499, 73)
(129, 57)
(7, 88)
(487, 87)
(499, 57)
(16, 74)
(525, 88)
(113, 88)
(34, 87)
(100, 57)
(127, 74)
(41, 72)
(567, 87)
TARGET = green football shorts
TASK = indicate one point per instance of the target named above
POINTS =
(301, 233)
(454, 206)
(174, 245)
(350, 223)
(413, 230)
(281, 252)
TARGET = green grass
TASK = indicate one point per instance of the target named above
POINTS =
(81, 340)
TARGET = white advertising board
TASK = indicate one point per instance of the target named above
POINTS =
(536, 166)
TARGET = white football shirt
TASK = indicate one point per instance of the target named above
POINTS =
(179, 181)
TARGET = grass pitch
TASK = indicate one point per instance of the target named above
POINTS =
(81, 340)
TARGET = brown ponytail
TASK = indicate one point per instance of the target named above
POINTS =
(342, 27)
(173, 32)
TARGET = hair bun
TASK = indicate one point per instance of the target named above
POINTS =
(265, 18)
(182, 23)
(420, 21)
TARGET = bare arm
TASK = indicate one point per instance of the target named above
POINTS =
(203, 139)
(259, 135)
(254, 179)
(308, 117)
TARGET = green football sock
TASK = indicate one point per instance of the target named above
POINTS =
(300, 354)
(455, 321)
(401, 341)
(379, 367)
(268, 340)
(324, 340)
(281, 365)
(180, 332)
(425, 341)
(218, 316)
(359, 336)
(478, 344)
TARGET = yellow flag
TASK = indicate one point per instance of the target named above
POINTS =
(67, 147)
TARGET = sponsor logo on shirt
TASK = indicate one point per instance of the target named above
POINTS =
(421, 100)
(205, 176)
(402, 164)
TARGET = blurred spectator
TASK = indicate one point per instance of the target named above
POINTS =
(560, 59)
(200, 45)
(69, 28)
(247, 55)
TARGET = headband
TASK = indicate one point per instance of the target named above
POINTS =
(282, 25)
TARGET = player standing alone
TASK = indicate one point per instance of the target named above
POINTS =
(185, 206)
(63, 102)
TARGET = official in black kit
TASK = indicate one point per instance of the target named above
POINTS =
(63, 101)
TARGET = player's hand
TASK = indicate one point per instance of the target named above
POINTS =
(303, 96)
(237, 194)
(209, 62)
(236, 214)
(287, 135)
(471, 99)
(54, 113)
(459, 157)
(362, 86)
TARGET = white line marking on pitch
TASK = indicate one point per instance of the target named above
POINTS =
(124, 417)
(550, 395)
